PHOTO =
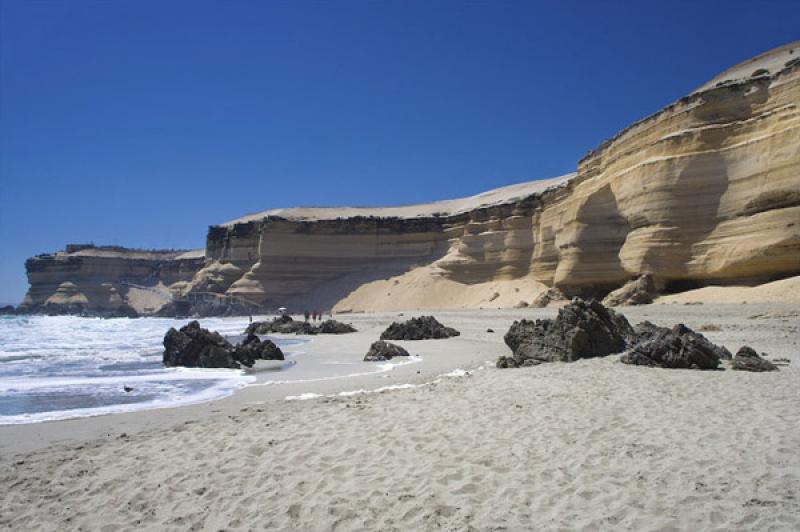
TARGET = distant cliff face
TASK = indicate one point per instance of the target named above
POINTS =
(105, 279)
(706, 190)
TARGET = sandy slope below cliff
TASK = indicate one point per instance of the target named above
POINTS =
(783, 291)
(424, 288)
(593, 445)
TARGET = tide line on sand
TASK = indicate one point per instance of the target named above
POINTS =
(458, 372)
(381, 368)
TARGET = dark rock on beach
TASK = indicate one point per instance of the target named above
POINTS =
(281, 324)
(421, 328)
(123, 311)
(253, 348)
(506, 362)
(193, 346)
(381, 350)
(547, 297)
(640, 291)
(747, 359)
(582, 329)
(510, 362)
(7, 310)
(335, 327)
(286, 325)
(678, 348)
(205, 308)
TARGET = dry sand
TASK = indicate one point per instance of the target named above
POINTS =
(422, 288)
(773, 61)
(593, 445)
(784, 291)
(507, 194)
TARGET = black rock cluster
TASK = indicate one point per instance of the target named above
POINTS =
(286, 325)
(422, 328)
(582, 329)
(195, 347)
(586, 329)
(678, 348)
(380, 351)
(747, 359)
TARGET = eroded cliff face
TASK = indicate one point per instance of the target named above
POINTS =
(705, 191)
(86, 278)
(279, 261)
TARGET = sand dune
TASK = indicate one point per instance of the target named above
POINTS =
(784, 290)
(498, 196)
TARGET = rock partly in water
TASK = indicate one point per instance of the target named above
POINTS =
(747, 359)
(582, 329)
(547, 297)
(286, 325)
(195, 347)
(7, 310)
(206, 308)
(421, 328)
(380, 351)
(122, 311)
(253, 348)
(678, 348)
(639, 291)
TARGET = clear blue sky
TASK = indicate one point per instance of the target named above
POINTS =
(143, 122)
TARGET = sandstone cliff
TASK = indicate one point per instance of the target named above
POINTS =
(705, 191)
(105, 279)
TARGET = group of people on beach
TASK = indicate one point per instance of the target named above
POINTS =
(315, 315)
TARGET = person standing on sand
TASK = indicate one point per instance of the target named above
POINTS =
(306, 315)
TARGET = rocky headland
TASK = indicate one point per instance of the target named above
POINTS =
(703, 192)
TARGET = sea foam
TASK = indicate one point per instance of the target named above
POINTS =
(58, 367)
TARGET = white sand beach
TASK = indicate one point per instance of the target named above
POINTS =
(590, 445)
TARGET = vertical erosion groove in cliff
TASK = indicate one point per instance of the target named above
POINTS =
(706, 190)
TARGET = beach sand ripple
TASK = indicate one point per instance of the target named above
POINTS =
(591, 445)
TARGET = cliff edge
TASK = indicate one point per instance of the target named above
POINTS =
(705, 191)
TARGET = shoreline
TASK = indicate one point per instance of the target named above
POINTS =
(473, 349)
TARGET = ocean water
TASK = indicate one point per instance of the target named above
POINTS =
(57, 367)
